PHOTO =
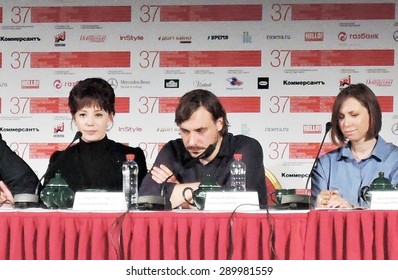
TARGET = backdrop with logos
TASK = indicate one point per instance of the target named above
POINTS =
(276, 65)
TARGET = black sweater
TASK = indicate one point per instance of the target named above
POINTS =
(95, 165)
(15, 172)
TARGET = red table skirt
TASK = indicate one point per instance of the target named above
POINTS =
(151, 235)
(189, 235)
(352, 235)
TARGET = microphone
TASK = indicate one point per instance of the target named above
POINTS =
(25, 200)
(302, 201)
(209, 150)
(327, 128)
(151, 202)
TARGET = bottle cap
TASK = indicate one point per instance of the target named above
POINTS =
(130, 157)
(237, 156)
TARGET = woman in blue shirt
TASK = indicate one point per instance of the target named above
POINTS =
(341, 174)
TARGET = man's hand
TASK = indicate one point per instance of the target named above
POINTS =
(161, 173)
(5, 193)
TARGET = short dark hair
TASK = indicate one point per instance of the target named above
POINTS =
(368, 99)
(192, 100)
(92, 92)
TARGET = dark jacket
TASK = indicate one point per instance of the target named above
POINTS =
(175, 157)
(15, 172)
(95, 165)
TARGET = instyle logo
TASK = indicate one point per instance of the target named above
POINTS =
(130, 129)
(312, 129)
(30, 84)
(313, 36)
(131, 38)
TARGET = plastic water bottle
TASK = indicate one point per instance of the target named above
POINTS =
(238, 174)
(130, 181)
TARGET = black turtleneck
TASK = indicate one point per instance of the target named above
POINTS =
(95, 165)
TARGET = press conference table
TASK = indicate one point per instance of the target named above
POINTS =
(194, 235)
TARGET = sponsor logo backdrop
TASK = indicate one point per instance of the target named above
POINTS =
(276, 65)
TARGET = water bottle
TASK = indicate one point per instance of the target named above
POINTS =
(130, 181)
(238, 174)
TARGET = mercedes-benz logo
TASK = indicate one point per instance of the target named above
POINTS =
(395, 36)
(113, 82)
(394, 129)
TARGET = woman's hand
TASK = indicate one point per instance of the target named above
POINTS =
(332, 199)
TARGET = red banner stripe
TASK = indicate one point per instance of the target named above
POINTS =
(79, 59)
(303, 58)
(244, 104)
(228, 12)
(1, 14)
(210, 58)
(324, 104)
(54, 105)
(81, 14)
(308, 150)
(349, 11)
(122, 105)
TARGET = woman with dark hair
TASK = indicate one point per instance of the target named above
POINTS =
(96, 161)
(202, 121)
(340, 174)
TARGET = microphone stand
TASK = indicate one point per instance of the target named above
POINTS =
(153, 202)
(25, 200)
(303, 201)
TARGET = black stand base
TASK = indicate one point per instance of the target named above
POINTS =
(153, 202)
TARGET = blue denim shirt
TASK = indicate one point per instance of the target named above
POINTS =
(338, 170)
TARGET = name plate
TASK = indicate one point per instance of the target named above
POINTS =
(231, 200)
(99, 201)
(384, 200)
